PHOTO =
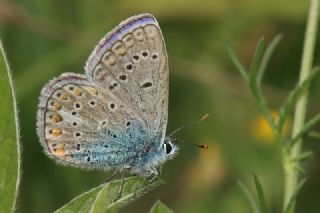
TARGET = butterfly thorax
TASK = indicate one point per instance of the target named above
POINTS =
(153, 156)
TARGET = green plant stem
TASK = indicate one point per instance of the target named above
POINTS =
(290, 171)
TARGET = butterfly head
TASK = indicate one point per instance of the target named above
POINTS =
(169, 148)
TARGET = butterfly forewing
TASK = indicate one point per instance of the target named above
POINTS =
(131, 62)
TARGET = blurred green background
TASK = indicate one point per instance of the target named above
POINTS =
(46, 38)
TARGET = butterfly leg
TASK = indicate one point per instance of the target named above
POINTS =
(151, 178)
(120, 188)
(145, 182)
(137, 190)
(153, 174)
(112, 176)
(160, 171)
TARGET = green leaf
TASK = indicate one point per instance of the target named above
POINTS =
(303, 156)
(293, 97)
(236, 62)
(249, 196)
(255, 66)
(266, 57)
(103, 197)
(292, 199)
(9, 139)
(263, 206)
(159, 207)
(306, 128)
(255, 87)
(314, 134)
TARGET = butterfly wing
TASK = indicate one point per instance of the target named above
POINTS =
(131, 62)
(79, 124)
(104, 119)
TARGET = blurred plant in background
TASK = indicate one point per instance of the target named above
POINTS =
(262, 131)
(46, 38)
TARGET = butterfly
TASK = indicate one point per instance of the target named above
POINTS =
(115, 115)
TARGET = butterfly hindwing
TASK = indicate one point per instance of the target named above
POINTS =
(80, 124)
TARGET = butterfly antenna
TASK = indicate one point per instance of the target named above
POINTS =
(191, 123)
(201, 146)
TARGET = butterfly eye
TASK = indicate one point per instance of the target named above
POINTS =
(168, 148)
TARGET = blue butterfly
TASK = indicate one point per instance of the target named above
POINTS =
(115, 115)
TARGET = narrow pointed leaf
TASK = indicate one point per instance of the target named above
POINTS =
(237, 63)
(262, 201)
(303, 156)
(306, 128)
(266, 57)
(294, 96)
(314, 134)
(249, 196)
(9, 139)
(255, 65)
(159, 207)
(104, 197)
(255, 88)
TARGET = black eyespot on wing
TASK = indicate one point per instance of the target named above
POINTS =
(129, 67)
(113, 86)
(136, 57)
(147, 84)
(123, 77)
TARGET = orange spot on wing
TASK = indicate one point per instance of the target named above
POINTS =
(59, 152)
(56, 118)
(55, 106)
(78, 92)
(55, 133)
(63, 96)
(91, 90)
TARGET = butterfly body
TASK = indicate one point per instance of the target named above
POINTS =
(114, 116)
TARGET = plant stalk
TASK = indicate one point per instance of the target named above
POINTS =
(291, 172)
